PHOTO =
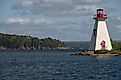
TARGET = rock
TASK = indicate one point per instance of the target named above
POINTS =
(84, 53)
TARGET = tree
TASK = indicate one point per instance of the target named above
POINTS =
(28, 42)
(116, 45)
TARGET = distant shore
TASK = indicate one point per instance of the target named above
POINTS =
(22, 42)
(44, 48)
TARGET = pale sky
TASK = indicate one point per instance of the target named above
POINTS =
(67, 20)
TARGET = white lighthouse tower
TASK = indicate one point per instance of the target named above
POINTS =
(100, 39)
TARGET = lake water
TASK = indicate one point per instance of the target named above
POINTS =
(57, 65)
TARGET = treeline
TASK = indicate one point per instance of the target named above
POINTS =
(116, 45)
(16, 42)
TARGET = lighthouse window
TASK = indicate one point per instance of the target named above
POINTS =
(100, 12)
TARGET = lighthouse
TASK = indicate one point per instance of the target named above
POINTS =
(100, 39)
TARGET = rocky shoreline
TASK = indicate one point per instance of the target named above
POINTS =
(92, 53)
(84, 53)
(44, 48)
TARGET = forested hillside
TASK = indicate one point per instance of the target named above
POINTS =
(16, 42)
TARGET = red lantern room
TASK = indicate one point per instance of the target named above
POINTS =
(100, 15)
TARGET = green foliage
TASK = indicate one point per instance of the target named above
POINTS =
(116, 45)
(115, 52)
(27, 42)
(101, 52)
(108, 52)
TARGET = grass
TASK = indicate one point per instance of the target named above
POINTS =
(108, 52)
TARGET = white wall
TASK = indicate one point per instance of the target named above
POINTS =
(102, 34)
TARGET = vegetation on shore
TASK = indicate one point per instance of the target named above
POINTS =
(116, 45)
(16, 42)
(108, 52)
(116, 49)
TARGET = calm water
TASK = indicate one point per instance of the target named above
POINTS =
(57, 65)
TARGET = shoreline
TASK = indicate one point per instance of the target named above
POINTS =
(40, 50)
(104, 55)
(37, 50)
(92, 53)
(32, 49)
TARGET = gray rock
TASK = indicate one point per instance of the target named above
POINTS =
(84, 53)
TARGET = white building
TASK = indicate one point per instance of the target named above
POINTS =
(100, 39)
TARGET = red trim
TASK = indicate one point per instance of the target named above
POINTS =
(100, 15)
